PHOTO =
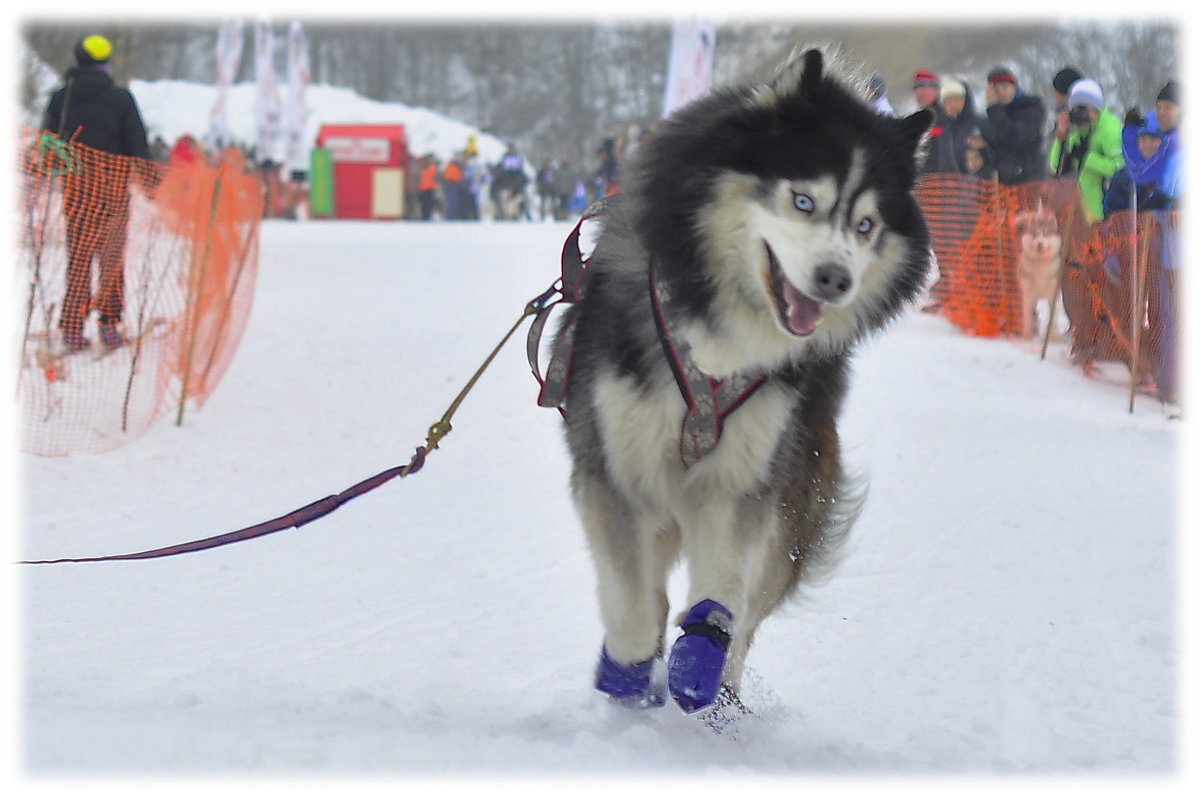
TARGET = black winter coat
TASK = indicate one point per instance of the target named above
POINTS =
(937, 158)
(948, 142)
(1014, 134)
(98, 114)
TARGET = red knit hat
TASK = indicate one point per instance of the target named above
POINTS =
(1001, 75)
(925, 78)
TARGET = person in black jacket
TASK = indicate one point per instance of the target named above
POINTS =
(92, 111)
(1014, 129)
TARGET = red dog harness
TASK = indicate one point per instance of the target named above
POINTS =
(709, 402)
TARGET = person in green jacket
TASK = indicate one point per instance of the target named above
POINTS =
(1092, 144)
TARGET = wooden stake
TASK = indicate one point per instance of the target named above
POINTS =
(196, 288)
(1140, 267)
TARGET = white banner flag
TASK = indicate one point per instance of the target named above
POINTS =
(295, 113)
(689, 67)
(229, 57)
(267, 107)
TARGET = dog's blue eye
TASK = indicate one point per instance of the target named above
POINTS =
(803, 202)
(865, 226)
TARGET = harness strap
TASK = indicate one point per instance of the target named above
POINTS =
(558, 372)
(569, 289)
(708, 401)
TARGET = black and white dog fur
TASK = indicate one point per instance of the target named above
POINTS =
(778, 223)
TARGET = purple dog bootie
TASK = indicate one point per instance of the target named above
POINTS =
(632, 685)
(698, 655)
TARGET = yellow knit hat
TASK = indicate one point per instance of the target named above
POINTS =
(94, 49)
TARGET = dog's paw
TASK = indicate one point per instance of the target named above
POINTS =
(726, 713)
(639, 685)
(698, 656)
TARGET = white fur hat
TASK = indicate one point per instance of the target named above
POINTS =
(1086, 91)
(953, 88)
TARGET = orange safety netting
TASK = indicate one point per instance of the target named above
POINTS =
(158, 261)
(173, 249)
(1011, 257)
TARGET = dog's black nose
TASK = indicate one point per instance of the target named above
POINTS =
(831, 282)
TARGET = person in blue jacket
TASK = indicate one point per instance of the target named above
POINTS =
(1142, 175)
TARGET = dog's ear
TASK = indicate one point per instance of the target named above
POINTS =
(799, 77)
(810, 78)
(913, 127)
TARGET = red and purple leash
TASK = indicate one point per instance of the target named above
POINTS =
(565, 289)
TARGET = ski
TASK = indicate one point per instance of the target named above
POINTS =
(51, 358)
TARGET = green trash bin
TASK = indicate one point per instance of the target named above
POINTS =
(320, 184)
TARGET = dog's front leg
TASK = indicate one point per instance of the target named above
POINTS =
(724, 543)
(632, 553)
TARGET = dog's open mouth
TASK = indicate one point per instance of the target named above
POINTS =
(799, 313)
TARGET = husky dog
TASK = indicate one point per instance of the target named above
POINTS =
(1039, 262)
(761, 233)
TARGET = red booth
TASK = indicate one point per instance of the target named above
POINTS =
(369, 166)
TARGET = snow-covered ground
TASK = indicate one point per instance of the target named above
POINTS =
(1009, 603)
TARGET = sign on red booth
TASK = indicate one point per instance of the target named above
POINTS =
(370, 163)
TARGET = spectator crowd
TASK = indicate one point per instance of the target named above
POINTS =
(463, 188)
(511, 189)
(1115, 272)
(1119, 162)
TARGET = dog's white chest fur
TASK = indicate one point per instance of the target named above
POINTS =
(642, 434)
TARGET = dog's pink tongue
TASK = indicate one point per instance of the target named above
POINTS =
(803, 313)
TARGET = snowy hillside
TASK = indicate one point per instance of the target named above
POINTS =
(1008, 603)
(172, 108)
